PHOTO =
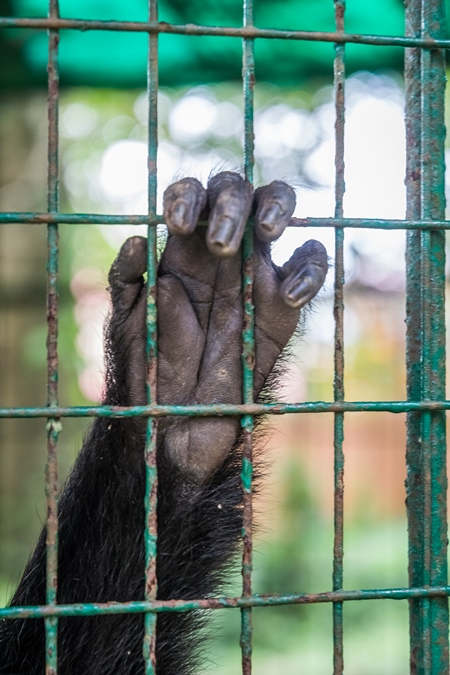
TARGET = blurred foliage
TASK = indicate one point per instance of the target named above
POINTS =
(102, 58)
(296, 557)
(293, 553)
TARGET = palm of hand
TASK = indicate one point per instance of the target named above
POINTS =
(200, 308)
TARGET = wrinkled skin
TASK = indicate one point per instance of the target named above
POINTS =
(101, 514)
(201, 307)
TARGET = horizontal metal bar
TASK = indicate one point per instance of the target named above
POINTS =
(35, 218)
(226, 409)
(41, 218)
(92, 609)
(226, 31)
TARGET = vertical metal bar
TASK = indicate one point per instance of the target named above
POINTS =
(426, 483)
(436, 623)
(151, 477)
(414, 483)
(248, 351)
(53, 424)
(414, 478)
(338, 552)
(418, 477)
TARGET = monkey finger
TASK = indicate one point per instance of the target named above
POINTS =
(304, 274)
(182, 203)
(126, 273)
(275, 204)
(230, 201)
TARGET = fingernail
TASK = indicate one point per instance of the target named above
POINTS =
(178, 214)
(223, 231)
(270, 215)
(299, 291)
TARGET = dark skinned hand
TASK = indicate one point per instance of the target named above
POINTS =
(200, 308)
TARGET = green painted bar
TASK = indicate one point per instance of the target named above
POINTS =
(39, 218)
(35, 218)
(426, 405)
(94, 609)
(414, 481)
(249, 32)
(434, 516)
(248, 347)
(151, 477)
(338, 389)
(208, 410)
(53, 424)
(426, 445)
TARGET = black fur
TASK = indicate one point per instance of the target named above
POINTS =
(101, 556)
(101, 509)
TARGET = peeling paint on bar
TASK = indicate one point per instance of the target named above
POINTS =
(53, 424)
(151, 475)
(248, 347)
(249, 32)
(413, 180)
(33, 218)
(93, 609)
(338, 547)
(209, 410)
(426, 482)
(426, 441)
(433, 515)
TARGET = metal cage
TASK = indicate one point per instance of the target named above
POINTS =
(424, 44)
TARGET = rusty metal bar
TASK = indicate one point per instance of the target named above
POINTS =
(149, 646)
(425, 356)
(338, 548)
(426, 404)
(246, 32)
(248, 347)
(34, 218)
(414, 481)
(53, 424)
(222, 602)
(219, 409)
(435, 622)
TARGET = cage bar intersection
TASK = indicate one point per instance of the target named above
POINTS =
(424, 45)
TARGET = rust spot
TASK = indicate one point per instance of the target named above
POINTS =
(414, 175)
(150, 586)
(339, 13)
(152, 377)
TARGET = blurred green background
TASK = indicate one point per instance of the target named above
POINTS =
(103, 137)
(108, 58)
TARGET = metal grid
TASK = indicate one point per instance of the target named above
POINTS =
(425, 352)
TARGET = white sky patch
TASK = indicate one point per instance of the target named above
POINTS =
(78, 120)
(374, 161)
(280, 129)
(193, 118)
(297, 129)
(229, 122)
(374, 176)
(123, 171)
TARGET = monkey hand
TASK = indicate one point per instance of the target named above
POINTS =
(200, 309)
